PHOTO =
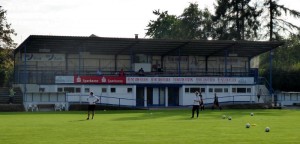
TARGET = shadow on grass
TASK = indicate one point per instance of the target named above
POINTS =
(81, 120)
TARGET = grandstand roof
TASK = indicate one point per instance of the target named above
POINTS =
(127, 46)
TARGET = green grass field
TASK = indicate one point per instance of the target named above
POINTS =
(151, 126)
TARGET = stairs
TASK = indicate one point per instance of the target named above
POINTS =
(4, 95)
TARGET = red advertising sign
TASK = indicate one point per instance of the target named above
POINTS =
(100, 79)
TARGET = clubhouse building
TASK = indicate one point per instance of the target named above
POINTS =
(137, 72)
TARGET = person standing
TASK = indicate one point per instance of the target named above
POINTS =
(141, 72)
(216, 102)
(196, 104)
(11, 95)
(258, 95)
(122, 73)
(201, 102)
(92, 100)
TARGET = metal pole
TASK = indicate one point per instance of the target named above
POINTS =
(270, 86)
(271, 89)
(226, 54)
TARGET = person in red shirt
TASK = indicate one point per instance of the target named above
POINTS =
(121, 73)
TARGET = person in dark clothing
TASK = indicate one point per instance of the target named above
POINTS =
(201, 103)
(216, 103)
(258, 95)
(141, 72)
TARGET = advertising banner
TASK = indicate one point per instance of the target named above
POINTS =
(100, 79)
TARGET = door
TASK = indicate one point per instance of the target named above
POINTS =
(140, 96)
(173, 96)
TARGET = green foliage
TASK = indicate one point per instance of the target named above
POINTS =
(236, 20)
(192, 24)
(286, 65)
(165, 27)
(151, 127)
(6, 50)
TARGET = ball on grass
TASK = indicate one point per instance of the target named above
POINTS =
(252, 114)
(229, 118)
(224, 116)
(267, 129)
(247, 125)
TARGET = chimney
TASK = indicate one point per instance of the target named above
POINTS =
(136, 36)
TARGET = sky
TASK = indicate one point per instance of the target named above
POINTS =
(104, 18)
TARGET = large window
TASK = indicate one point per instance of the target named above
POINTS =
(192, 90)
(241, 90)
(218, 90)
(69, 89)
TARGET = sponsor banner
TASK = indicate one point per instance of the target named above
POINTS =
(99, 79)
(64, 79)
(189, 80)
(153, 80)
(43, 57)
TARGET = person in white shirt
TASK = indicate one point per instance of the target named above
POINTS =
(92, 100)
(196, 104)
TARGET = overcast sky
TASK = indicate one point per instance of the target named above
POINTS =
(105, 18)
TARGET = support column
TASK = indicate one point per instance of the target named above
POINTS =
(166, 97)
(206, 64)
(226, 54)
(271, 88)
(145, 97)
(179, 62)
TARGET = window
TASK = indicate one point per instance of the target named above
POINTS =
(210, 90)
(248, 90)
(234, 90)
(186, 90)
(86, 90)
(129, 90)
(41, 89)
(112, 90)
(241, 90)
(194, 90)
(77, 90)
(218, 90)
(225, 90)
(202, 90)
(69, 89)
(104, 90)
(59, 89)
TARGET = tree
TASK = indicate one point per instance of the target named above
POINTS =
(236, 20)
(195, 23)
(6, 50)
(165, 26)
(192, 24)
(276, 24)
(286, 65)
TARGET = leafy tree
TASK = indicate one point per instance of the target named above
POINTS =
(165, 26)
(236, 20)
(6, 50)
(192, 24)
(286, 65)
(196, 24)
(275, 24)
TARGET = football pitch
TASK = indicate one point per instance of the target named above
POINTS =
(151, 126)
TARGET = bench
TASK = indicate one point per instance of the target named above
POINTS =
(296, 104)
(46, 107)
